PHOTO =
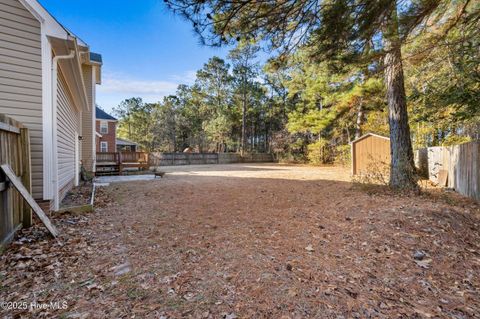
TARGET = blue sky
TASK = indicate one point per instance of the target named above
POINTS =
(147, 51)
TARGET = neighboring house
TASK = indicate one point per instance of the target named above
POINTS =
(106, 130)
(124, 145)
(47, 82)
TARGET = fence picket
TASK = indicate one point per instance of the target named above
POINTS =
(462, 163)
(14, 151)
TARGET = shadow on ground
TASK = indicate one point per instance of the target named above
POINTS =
(256, 246)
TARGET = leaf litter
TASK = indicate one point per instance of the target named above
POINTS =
(242, 244)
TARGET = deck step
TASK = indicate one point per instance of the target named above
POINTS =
(102, 170)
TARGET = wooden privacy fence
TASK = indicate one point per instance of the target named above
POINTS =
(15, 151)
(171, 159)
(460, 164)
(117, 163)
(256, 158)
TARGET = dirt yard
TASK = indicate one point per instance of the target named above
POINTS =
(252, 241)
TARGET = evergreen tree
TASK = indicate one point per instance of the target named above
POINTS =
(339, 29)
(245, 70)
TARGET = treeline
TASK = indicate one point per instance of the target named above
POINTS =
(308, 109)
(227, 109)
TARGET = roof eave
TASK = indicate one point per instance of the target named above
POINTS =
(368, 134)
(74, 77)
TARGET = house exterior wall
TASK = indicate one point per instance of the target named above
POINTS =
(110, 137)
(21, 78)
(88, 120)
(68, 125)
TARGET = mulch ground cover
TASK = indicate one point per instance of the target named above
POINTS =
(258, 243)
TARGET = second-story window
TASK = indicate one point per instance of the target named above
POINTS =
(103, 147)
(103, 127)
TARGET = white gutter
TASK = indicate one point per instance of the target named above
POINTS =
(84, 91)
(54, 126)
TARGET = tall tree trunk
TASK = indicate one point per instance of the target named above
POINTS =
(252, 139)
(402, 169)
(358, 126)
(244, 123)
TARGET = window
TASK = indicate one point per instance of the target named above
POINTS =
(103, 147)
(103, 127)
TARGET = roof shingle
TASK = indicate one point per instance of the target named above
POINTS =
(102, 115)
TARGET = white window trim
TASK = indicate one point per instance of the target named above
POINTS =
(102, 144)
(104, 124)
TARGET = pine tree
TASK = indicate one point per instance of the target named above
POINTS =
(341, 30)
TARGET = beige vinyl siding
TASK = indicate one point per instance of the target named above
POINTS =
(68, 122)
(21, 78)
(88, 133)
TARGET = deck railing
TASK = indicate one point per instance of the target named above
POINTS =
(133, 157)
(119, 162)
(110, 157)
(122, 157)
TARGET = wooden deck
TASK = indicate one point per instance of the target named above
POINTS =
(117, 163)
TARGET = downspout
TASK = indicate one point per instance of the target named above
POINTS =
(54, 125)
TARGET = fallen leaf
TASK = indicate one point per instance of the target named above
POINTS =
(425, 263)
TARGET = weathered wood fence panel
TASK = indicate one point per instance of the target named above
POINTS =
(171, 159)
(421, 162)
(15, 151)
(462, 162)
(257, 158)
(229, 158)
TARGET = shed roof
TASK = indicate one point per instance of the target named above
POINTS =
(121, 141)
(367, 135)
(102, 115)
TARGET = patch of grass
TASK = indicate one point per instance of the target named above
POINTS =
(449, 197)
(119, 198)
(136, 293)
(174, 302)
(370, 188)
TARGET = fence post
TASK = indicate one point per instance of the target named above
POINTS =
(26, 174)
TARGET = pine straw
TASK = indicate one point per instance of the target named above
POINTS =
(261, 241)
